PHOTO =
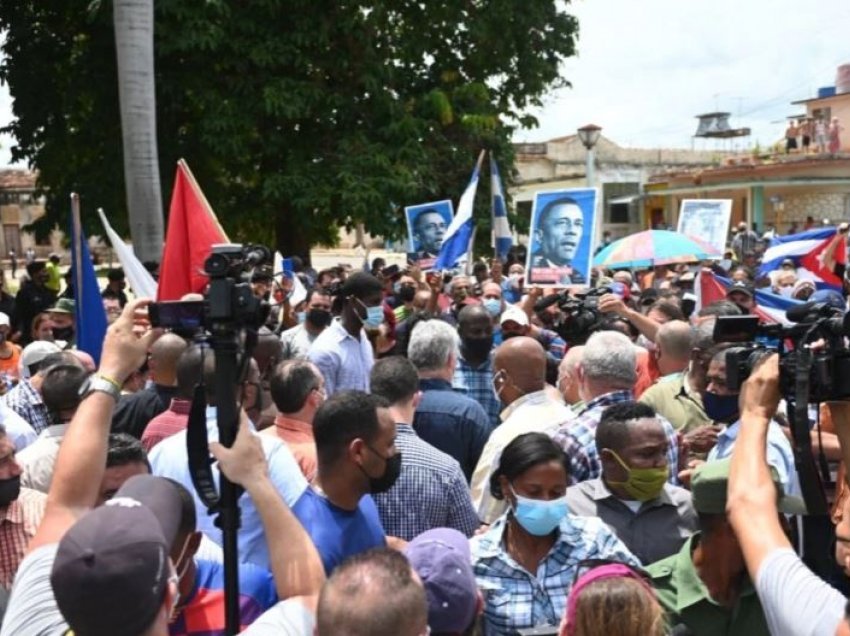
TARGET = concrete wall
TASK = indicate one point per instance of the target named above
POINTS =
(834, 206)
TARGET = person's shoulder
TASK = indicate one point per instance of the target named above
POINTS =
(661, 572)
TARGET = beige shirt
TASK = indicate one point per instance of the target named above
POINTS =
(532, 413)
(39, 458)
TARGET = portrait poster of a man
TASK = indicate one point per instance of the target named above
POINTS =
(562, 230)
(426, 228)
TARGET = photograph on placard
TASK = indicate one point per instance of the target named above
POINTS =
(426, 228)
(706, 220)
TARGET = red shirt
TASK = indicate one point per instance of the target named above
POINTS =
(167, 423)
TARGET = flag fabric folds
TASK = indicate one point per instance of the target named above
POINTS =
(502, 239)
(90, 317)
(456, 242)
(192, 231)
(283, 267)
(769, 307)
(140, 279)
(808, 251)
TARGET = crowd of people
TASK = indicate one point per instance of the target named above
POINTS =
(419, 453)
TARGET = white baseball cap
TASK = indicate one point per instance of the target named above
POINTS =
(4, 320)
(34, 353)
(514, 314)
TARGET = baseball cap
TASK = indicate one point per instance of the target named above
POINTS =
(34, 353)
(4, 320)
(830, 297)
(788, 262)
(514, 314)
(711, 480)
(112, 567)
(441, 558)
(63, 306)
(648, 296)
(742, 287)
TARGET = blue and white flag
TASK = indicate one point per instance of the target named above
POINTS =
(88, 303)
(808, 251)
(502, 239)
(140, 279)
(456, 242)
(769, 307)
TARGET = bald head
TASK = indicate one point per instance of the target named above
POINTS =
(675, 340)
(164, 355)
(521, 361)
(567, 377)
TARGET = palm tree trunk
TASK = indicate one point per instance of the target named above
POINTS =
(134, 47)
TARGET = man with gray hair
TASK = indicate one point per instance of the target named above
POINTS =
(449, 421)
(606, 375)
(679, 400)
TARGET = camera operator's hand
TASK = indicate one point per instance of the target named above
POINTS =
(124, 351)
(760, 393)
(611, 303)
(244, 463)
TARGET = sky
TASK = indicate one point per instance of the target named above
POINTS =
(646, 68)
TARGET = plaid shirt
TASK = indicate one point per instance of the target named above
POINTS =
(26, 402)
(477, 383)
(431, 492)
(18, 523)
(517, 599)
(578, 439)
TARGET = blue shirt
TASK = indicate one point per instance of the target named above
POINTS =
(431, 491)
(578, 439)
(345, 361)
(451, 422)
(477, 383)
(515, 598)
(779, 454)
(169, 459)
(337, 533)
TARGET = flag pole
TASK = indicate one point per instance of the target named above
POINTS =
(77, 233)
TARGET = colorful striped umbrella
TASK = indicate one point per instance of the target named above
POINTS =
(654, 247)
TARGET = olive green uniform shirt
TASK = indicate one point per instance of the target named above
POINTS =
(675, 400)
(686, 600)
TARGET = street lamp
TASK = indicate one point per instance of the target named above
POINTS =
(589, 135)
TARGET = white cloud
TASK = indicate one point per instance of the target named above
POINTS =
(646, 68)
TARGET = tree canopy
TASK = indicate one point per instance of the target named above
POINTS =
(297, 117)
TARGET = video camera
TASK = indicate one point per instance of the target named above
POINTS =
(580, 313)
(829, 376)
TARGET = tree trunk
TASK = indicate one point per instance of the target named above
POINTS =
(291, 239)
(134, 47)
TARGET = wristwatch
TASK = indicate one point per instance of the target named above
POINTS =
(99, 383)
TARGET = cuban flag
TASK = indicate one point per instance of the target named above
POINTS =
(502, 240)
(770, 308)
(808, 251)
(456, 244)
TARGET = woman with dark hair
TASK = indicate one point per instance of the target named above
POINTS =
(526, 562)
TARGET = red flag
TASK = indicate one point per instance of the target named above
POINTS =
(814, 261)
(192, 231)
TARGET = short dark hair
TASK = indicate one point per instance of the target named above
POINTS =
(115, 274)
(190, 369)
(344, 417)
(321, 291)
(523, 453)
(35, 267)
(61, 389)
(670, 310)
(547, 209)
(125, 449)
(720, 308)
(391, 600)
(421, 215)
(326, 272)
(613, 429)
(291, 384)
(395, 379)
(360, 285)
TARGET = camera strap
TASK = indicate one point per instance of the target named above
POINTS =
(804, 459)
(197, 447)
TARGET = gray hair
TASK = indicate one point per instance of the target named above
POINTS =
(675, 338)
(609, 358)
(431, 344)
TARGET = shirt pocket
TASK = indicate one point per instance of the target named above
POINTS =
(506, 611)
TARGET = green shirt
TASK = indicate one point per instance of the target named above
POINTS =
(54, 277)
(675, 400)
(686, 600)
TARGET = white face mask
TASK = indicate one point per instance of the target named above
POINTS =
(786, 291)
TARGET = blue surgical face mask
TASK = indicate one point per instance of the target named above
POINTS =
(493, 306)
(374, 315)
(301, 316)
(539, 517)
(721, 408)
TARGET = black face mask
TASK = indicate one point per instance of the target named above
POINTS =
(9, 490)
(477, 348)
(391, 472)
(319, 317)
(406, 293)
(63, 333)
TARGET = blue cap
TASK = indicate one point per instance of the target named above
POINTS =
(830, 297)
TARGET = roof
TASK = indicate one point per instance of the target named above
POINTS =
(16, 179)
(822, 99)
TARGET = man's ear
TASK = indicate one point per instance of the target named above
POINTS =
(417, 400)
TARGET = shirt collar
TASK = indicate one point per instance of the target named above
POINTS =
(14, 512)
(180, 406)
(538, 397)
(289, 424)
(434, 384)
(342, 333)
(609, 398)
(599, 492)
(484, 366)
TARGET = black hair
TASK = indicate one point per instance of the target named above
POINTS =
(125, 449)
(613, 430)
(523, 453)
(60, 390)
(552, 365)
(188, 515)
(421, 214)
(378, 263)
(547, 209)
(344, 417)
(115, 274)
(360, 285)
(669, 309)
(291, 383)
(326, 272)
(395, 379)
(479, 267)
(612, 322)
(322, 291)
(35, 267)
(720, 308)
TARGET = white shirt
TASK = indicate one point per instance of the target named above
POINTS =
(39, 459)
